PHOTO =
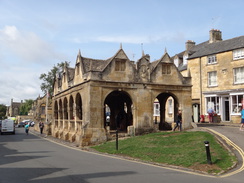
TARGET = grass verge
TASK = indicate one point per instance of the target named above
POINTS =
(185, 149)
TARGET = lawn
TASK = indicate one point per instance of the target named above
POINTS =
(185, 149)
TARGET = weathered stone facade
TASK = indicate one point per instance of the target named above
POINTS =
(83, 94)
(14, 109)
(217, 76)
(41, 114)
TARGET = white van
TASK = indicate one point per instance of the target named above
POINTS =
(7, 126)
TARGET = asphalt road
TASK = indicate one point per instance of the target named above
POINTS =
(34, 159)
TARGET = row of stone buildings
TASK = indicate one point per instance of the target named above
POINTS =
(145, 96)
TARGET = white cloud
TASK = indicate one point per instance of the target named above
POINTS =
(27, 46)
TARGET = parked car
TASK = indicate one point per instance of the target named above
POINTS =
(32, 123)
(21, 124)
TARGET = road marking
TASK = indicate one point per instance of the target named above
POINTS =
(241, 152)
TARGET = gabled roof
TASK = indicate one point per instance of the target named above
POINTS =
(218, 47)
(71, 73)
(98, 65)
(93, 64)
(165, 59)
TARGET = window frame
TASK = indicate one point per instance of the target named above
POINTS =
(238, 79)
(166, 69)
(212, 59)
(211, 81)
(156, 109)
(120, 65)
(238, 54)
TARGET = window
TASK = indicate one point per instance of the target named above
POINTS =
(236, 101)
(212, 102)
(239, 75)
(43, 109)
(166, 69)
(156, 109)
(238, 54)
(170, 106)
(212, 78)
(120, 65)
(185, 57)
(212, 59)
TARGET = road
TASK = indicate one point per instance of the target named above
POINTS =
(29, 158)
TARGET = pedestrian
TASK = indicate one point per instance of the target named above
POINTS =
(27, 128)
(210, 114)
(242, 120)
(178, 121)
(41, 126)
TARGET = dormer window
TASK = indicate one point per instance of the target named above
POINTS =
(238, 54)
(212, 59)
(120, 65)
(166, 69)
(185, 57)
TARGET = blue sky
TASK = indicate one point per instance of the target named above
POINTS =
(36, 35)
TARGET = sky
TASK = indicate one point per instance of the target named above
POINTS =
(36, 35)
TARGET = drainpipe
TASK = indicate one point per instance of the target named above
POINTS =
(201, 109)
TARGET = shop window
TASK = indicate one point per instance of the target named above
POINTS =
(212, 102)
(236, 101)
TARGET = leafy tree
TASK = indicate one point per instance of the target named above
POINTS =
(26, 106)
(3, 109)
(48, 79)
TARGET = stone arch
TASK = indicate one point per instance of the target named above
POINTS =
(163, 99)
(60, 109)
(120, 106)
(78, 103)
(71, 108)
(65, 108)
(56, 110)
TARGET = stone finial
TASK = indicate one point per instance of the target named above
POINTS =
(165, 50)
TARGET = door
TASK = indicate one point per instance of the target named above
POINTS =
(226, 109)
(195, 113)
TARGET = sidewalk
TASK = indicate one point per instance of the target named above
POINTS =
(218, 124)
(53, 139)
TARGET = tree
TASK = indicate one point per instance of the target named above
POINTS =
(3, 109)
(48, 79)
(26, 107)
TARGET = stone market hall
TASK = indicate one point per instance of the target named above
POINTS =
(96, 97)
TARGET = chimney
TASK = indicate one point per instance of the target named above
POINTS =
(215, 36)
(190, 44)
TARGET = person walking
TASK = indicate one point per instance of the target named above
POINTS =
(27, 128)
(210, 114)
(242, 120)
(41, 126)
(178, 121)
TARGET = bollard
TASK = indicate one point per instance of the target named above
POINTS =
(208, 152)
(117, 139)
